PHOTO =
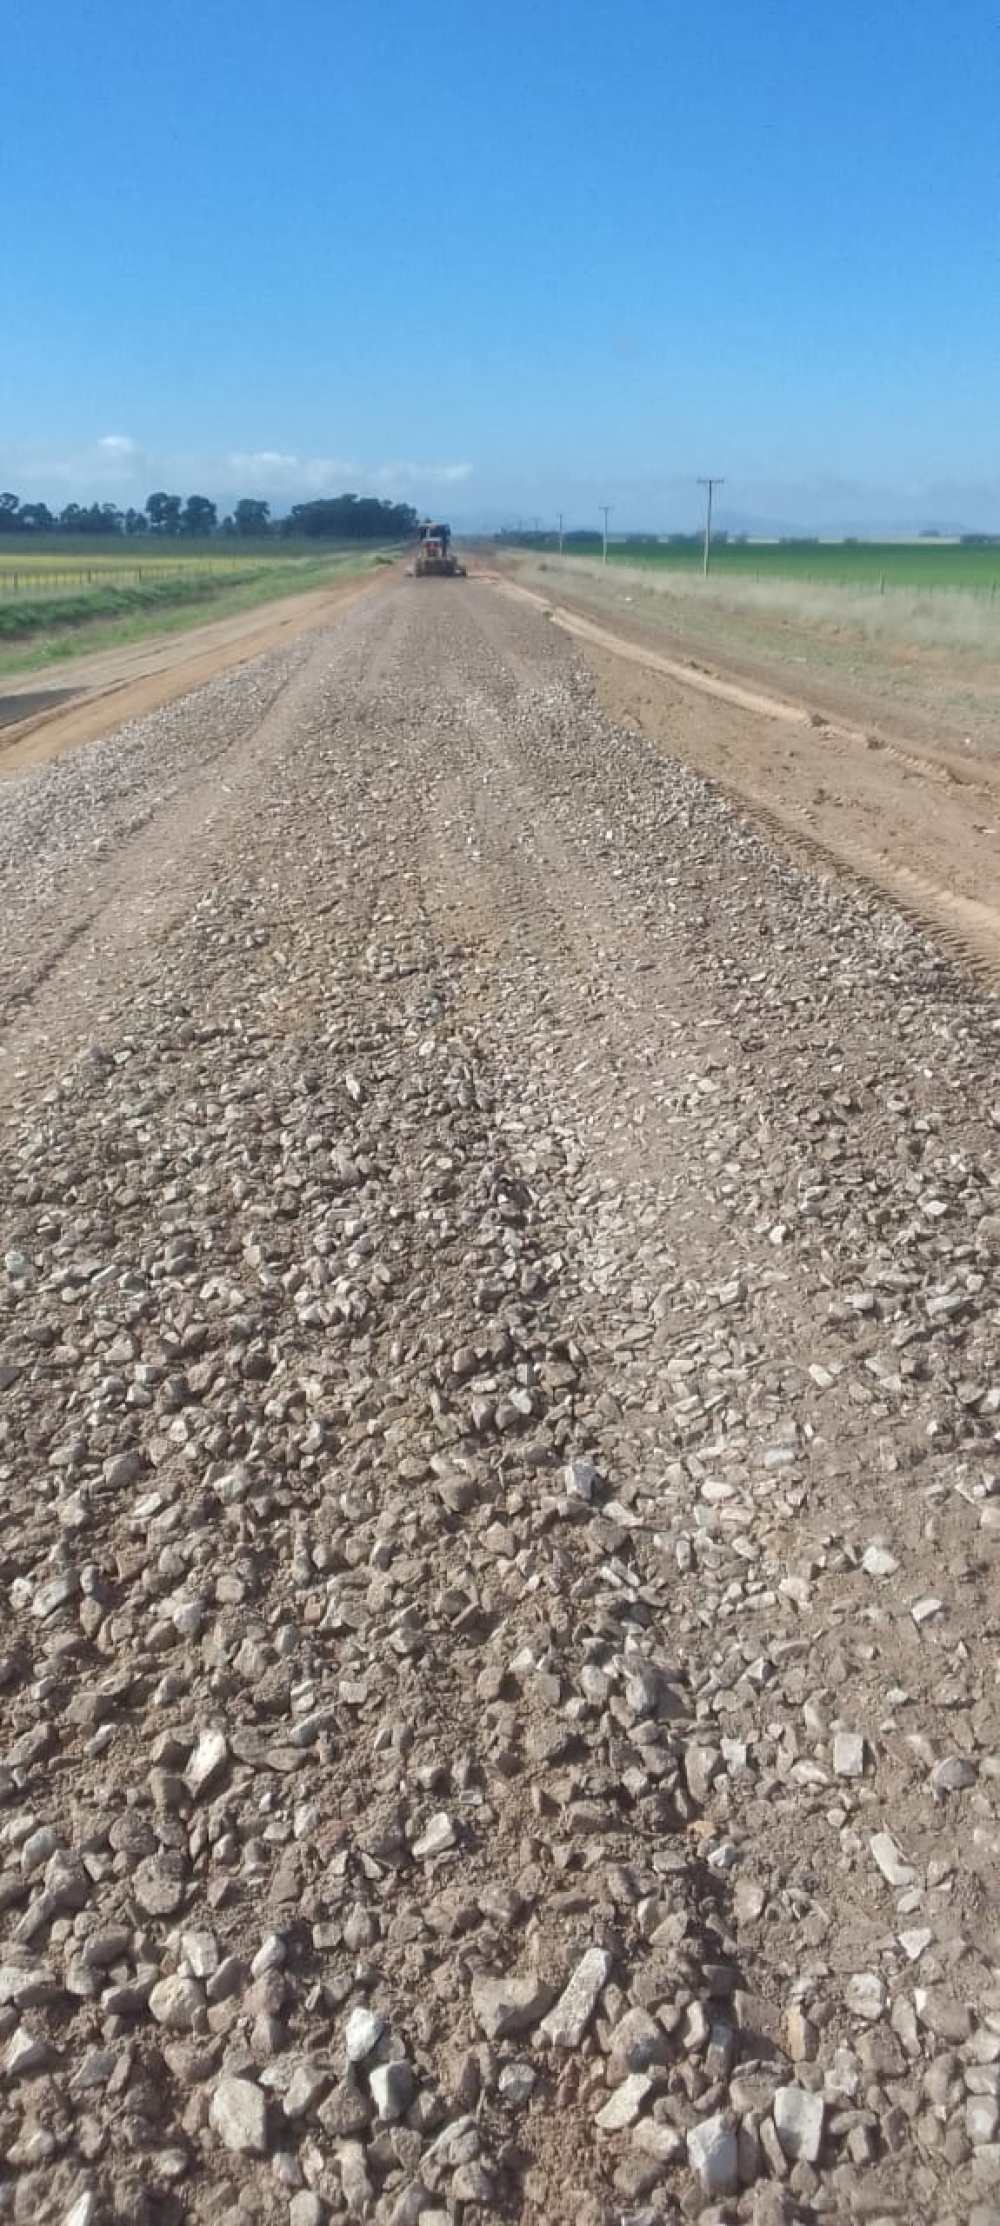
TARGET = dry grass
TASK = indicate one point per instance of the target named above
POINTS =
(952, 619)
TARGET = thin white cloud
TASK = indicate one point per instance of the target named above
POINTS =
(117, 466)
(263, 459)
(402, 476)
(273, 471)
(112, 465)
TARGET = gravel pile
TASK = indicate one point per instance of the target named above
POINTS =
(500, 1481)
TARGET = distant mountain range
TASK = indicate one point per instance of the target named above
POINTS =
(756, 525)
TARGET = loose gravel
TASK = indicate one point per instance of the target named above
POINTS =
(499, 1461)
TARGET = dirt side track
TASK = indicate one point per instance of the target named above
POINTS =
(915, 818)
(92, 694)
(500, 1476)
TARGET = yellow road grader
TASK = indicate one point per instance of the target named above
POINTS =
(435, 558)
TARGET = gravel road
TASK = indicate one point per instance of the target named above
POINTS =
(499, 1407)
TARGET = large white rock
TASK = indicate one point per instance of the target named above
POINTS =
(208, 1763)
(362, 2034)
(238, 2114)
(623, 2107)
(891, 1862)
(508, 2006)
(567, 2022)
(713, 2155)
(175, 2002)
(798, 2122)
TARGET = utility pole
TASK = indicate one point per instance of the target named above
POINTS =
(560, 532)
(606, 508)
(711, 484)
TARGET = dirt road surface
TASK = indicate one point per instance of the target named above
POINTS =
(498, 1436)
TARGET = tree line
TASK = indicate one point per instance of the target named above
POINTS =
(195, 517)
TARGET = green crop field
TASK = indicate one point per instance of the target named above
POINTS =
(879, 565)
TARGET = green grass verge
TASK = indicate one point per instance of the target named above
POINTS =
(26, 615)
(116, 617)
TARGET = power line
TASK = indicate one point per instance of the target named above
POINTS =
(711, 484)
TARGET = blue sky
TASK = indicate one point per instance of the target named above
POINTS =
(513, 258)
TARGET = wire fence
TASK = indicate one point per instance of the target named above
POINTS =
(35, 579)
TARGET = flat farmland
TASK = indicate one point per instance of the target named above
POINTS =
(927, 567)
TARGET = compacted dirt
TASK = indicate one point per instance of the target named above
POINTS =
(499, 1398)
